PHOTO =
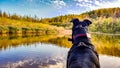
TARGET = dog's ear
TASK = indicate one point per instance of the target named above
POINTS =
(75, 21)
(87, 21)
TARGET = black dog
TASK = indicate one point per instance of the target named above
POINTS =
(82, 54)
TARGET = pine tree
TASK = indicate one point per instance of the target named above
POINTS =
(0, 13)
(15, 17)
(5, 15)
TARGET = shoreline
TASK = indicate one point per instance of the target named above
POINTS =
(104, 33)
(60, 32)
(69, 32)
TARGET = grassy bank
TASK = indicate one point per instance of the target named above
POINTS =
(106, 25)
(11, 26)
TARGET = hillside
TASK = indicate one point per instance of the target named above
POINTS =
(16, 24)
(105, 20)
(106, 13)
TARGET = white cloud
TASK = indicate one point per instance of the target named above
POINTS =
(59, 3)
(107, 4)
(79, 0)
(96, 4)
(46, 62)
(83, 1)
(83, 4)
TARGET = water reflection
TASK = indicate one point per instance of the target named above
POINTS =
(107, 44)
(34, 56)
(109, 61)
(15, 40)
(50, 51)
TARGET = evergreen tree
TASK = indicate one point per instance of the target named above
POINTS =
(5, 15)
(0, 13)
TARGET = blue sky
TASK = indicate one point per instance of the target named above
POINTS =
(52, 8)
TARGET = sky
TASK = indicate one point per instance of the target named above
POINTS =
(53, 8)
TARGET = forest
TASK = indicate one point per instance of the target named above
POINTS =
(106, 20)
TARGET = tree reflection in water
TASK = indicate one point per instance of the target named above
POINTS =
(105, 44)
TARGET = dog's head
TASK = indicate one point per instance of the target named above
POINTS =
(80, 28)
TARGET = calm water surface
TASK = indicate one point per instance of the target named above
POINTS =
(50, 51)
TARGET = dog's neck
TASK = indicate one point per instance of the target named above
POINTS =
(81, 39)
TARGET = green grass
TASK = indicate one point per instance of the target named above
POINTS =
(17, 26)
(106, 25)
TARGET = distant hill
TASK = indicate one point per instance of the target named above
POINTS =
(106, 20)
(105, 12)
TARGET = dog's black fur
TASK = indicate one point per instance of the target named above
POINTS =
(82, 55)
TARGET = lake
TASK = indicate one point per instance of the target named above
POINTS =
(50, 51)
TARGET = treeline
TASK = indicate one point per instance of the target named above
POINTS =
(18, 17)
(110, 12)
(15, 24)
(57, 21)
(106, 13)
